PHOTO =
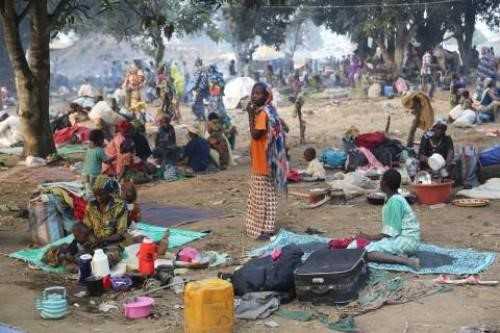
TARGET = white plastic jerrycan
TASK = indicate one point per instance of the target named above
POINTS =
(100, 264)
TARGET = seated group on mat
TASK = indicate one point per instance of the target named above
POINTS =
(128, 154)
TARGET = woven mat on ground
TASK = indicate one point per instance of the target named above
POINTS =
(434, 259)
(167, 216)
(439, 260)
(71, 149)
(308, 243)
(178, 237)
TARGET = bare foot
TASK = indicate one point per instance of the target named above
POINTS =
(414, 263)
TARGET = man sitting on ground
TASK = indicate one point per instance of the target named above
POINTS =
(197, 151)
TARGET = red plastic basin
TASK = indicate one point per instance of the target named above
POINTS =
(431, 194)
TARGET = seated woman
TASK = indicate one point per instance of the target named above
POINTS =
(129, 166)
(224, 122)
(464, 113)
(219, 145)
(165, 140)
(436, 141)
(107, 219)
(142, 148)
(490, 102)
(104, 226)
(400, 234)
(112, 150)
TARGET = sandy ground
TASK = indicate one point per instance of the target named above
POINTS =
(327, 121)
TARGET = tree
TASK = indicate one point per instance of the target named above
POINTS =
(461, 21)
(393, 24)
(250, 23)
(32, 69)
(151, 23)
(46, 18)
(389, 23)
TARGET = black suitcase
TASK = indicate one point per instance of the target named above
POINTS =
(331, 276)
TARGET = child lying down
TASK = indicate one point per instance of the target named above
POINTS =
(400, 234)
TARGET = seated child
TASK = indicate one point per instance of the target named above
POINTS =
(67, 254)
(315, 168)
(94, 158)
(400, 234)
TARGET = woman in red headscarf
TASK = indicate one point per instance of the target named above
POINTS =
(112, 150)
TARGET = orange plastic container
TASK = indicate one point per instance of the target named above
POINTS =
(209, 307)
(431, 194)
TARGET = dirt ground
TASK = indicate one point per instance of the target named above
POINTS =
(327, 119)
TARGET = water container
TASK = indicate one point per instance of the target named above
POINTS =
(388, 91)
(100, 264)
(147, 255)
(209, 307)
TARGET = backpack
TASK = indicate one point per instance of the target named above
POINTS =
(355, 159)
(264, 274)
(333, 158)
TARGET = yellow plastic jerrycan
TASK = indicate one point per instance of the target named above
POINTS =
(209, 307)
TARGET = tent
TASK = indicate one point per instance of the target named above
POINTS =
(236, 89)
(267, 53)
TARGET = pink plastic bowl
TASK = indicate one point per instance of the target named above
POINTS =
(140, 307)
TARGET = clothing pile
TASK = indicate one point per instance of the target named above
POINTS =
(74, 134)
(371, 151)
(53, 213)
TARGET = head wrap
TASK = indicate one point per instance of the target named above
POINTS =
(105, 184)
(267, 89)
(440, 123)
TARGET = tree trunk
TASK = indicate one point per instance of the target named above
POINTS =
(465, 41)
(33, 79)
(6, 75)
(402, 40)
(159, 52)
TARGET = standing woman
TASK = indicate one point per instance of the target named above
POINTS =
(268, 166)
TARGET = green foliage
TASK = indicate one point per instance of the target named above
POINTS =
(247, 20)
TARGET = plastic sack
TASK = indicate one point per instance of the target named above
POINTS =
(333, 158)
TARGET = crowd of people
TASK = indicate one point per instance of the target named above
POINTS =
(123, 154)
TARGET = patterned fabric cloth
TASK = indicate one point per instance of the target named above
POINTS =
(113, 220)
(276, 146)
(167, 106)
(402, 227)
(134, 80)
(262, 206)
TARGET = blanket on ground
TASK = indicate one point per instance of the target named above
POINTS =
(178, 237)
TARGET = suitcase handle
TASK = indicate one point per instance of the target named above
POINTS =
(319, 292)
